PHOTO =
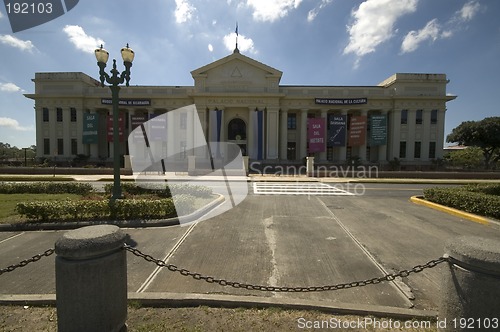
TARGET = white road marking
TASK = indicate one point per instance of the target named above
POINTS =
(297, 188)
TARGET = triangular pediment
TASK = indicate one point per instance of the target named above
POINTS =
(235, 71)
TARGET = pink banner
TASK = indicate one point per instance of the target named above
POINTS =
(316, 129)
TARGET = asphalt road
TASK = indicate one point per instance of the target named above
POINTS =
(282, 240)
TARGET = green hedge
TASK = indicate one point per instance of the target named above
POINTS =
(46, 188)
(161, 189)
(126, 209)
(475, 199)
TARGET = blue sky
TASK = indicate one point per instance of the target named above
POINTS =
(313, 42)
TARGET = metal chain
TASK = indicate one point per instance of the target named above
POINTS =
(25, 262)
(223, 282)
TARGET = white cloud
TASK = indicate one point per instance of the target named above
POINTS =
(468, 11)
(13, 124)
(315, 11)
(244, 44)
(210, 48)
(374, 24)
(414, 38)
(183, 11)
(1, 15)
(433, 30)
(9, 87)
(17, 43)
(81, 40)
(271, 10)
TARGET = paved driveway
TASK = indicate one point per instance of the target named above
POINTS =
(282, 240)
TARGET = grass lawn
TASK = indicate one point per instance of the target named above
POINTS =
(8, 204)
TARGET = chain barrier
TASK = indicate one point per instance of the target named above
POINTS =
(25, 262)
(223, 282)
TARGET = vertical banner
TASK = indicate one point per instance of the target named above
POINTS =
(316, 129)
(157, 127)
(121, 127)
(357, 132)
(136, 121)
(378, 130)
(337, 130)
(257, 133)
(90, 128)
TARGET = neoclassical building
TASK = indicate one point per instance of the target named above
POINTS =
(240, 100)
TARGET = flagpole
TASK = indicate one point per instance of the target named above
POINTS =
(236, 31)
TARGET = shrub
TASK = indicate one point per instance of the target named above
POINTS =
(46, 188)
(470, 198)
(127, 209)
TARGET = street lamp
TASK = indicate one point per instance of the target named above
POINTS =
(114, 80)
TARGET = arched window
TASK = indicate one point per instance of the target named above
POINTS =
(237, 130)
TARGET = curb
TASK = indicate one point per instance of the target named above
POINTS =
(176, 300)
(458, 213)
(120, 223)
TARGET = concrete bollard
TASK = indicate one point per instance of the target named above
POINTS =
(91, 280)
(470, 296)
(310, 166)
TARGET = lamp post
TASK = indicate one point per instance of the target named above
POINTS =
(114, 80)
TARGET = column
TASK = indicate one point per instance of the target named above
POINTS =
(410, 140)
(440, 133)
(394, 134)
(426, 126)
(322, 155)
(53, 131)
(272, 120)
(66, 133)
(303, 134)
(39, 131)
(200, 137)
(284, 135)
(250, 133)
(362, 148)
(79, 130)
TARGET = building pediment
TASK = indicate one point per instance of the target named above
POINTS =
(236, 73)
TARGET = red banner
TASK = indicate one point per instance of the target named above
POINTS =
(316, 129)
(357, 132)
(121, 127)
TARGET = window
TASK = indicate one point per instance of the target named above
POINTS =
(434, 116)
(402, 149)
(74, 146)
(73, 114)
(432, 150)
(404, 116)
(418, 117)
(418, 146)
(60, 146)
(59, 115)
(292, 121)
(45, 114)
(46, 146)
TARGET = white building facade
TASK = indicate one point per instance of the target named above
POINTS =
(240, 100)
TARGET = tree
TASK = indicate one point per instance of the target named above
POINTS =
(484, 134)
(468, 158)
